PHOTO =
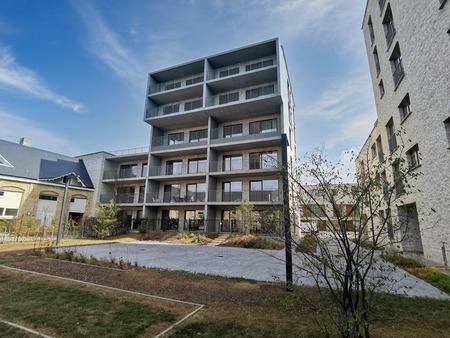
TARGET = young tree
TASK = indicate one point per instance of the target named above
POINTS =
(106, 220)
(247, 216)
(344, 265)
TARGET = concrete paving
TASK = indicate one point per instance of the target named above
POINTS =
(260, 265)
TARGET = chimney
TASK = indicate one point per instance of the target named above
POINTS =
(25, 142)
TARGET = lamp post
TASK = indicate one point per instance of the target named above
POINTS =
(66, 180)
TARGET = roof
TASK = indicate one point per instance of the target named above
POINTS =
(21, 161)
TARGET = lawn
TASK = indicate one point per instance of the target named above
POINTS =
(234, 307)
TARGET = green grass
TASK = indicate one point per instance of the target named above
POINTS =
(12, 332)
(216, 329)
(75, 312)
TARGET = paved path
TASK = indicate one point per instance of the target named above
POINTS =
(261, 265)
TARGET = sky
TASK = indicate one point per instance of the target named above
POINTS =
(73, 74)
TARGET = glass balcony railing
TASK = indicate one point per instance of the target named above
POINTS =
(242, 95)
(178, 107)
(240, 68)
(182, 197)
(238, 196)
(182, 169)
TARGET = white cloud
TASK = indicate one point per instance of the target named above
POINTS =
(14, 127)
(17, 77)
(108, 47)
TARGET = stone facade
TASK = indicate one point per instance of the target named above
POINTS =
(408, 47)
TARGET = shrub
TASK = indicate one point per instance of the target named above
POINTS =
(307, 243)
(252, 242)
(402, 262)
(191, 238)
(432, 276)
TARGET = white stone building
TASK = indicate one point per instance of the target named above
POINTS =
(408, 48)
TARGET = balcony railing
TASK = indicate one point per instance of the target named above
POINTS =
(121, 174)
(177, 107)
(176, 84)
(183, 169)
(398, 73)
(238, 196)
(238, 164)
(244, 94)
(160, 143)
(217, 136)
(183, 197)
(240, 68)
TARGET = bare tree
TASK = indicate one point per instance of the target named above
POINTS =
(354, 222)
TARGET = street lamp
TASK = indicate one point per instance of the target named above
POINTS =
(66, 180)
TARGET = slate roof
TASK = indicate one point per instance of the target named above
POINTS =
(37, 164)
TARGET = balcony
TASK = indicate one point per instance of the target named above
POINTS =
(242, 95)
(174, 170)
(177, 84)
(124, 174)
(240, 68)
(160, 143)
(267, 196)
(218, 137)
(183, 197)
(237, 165)
(177, 107)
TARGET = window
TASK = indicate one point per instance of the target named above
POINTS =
(264, 190)
(2, 193)
(266, 126)
(447, 129)
(380, 149)
(381, 4)
(231, 191)
(381, 88)
(228, 72)
(172, 193)
(313, 211)
(128, 170)
(141, 195)
(233, 162)
(198, 135)
(195, 192)
(11, 212)
(398, 179)
(176, 138)
(377, 61)
(263, 160)
(174, 167)
(255, 92)
(373, 150)
(230, 97)
(197, 166)
(144, 171)
(384, 182)
(194, 80)
(48, 197)
(397, 67)
(405, 107)
(442, 3)
(125, 194)
(388, 24)
(228, 222)
(173, 85)
(175, 108)
(260, 64)
(4, 162)
(232, 130)
(371, 33)
(192, 105)
(392, 140)
(413, 157)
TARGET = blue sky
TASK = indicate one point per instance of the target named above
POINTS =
(73, 73)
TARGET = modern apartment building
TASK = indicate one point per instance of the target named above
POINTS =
(220, 128)
(408, 47)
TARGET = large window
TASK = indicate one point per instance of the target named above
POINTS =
(192, 105)
(172, 193)
(376, 60)
(144, 171)
(264, 160)
(174, 167)
(232, 162)
(194, 220)
(398, 178)
(265, 126)
(230, 97)
(198, 135)
(128, 170)
(231, 191)
(197, 166)
(125, 194)
(232, 130)
(195, 192)
(264, 190)
(255, 92)
(371, 33)
(174, 108)
(176, 138)
(228, 222)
